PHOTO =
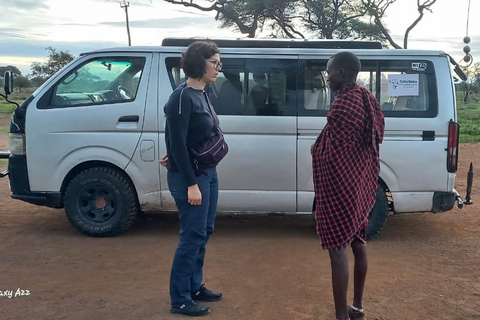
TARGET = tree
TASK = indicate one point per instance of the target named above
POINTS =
(377, 8)
(56, 61)
(248, 16)
(475, 74)
(21, 82)
(344, 19)
(13, 69)
(338, 19)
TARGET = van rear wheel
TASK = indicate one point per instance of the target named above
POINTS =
(378, 216)
(101, 202)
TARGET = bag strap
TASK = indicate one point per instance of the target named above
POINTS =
(212, 112)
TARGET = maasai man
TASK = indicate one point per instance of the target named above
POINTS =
(345, 175)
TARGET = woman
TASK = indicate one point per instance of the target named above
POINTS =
(191, 121)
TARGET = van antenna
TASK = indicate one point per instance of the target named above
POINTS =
(468, 59)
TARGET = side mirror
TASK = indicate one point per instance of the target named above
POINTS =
(8, 79)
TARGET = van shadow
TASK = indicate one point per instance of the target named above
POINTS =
(413, 227)
(233, 224)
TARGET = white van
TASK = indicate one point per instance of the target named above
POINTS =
(90, 138)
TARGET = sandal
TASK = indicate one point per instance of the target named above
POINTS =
(355, 313)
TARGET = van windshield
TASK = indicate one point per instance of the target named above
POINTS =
(100, 80)
(94, 76)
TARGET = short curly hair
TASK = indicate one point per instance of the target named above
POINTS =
(193, 60)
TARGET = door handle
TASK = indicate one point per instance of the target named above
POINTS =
(131, 118)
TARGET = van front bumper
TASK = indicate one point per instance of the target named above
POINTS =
(4, 155)
(18, 174)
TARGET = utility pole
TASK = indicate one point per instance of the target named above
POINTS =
(126, 4)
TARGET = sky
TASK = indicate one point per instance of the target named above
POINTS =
(27, 27)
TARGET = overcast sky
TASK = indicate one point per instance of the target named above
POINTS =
(27, 27)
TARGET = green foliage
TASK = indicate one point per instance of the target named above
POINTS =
(331, 20)
(21, 82)
(326, 19)
(56, 60)
(18, 97)
(469, 120)
(6, 107)
(13, 69)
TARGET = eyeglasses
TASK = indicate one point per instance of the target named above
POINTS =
(217, 64)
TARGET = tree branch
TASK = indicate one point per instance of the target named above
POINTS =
(220, 8)
(421, 7)
(377, 10)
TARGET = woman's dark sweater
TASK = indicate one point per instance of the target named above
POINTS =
(189, 124)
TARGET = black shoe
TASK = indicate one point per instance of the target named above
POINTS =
(205, 294)
(190, 308)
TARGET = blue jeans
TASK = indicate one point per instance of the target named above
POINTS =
(196, 227)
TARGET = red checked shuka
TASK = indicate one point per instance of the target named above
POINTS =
(346, 165)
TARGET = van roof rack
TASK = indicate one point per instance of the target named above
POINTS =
(276, 43)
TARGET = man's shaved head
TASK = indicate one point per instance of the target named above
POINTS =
(342, 69)
(347, 61)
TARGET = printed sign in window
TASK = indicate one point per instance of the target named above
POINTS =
(403, 85)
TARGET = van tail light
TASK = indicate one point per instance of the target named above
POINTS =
(452, 147)
(17, 144)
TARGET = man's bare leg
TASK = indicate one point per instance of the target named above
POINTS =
(339, 265)
(360, 271)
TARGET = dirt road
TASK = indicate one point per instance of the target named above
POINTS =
(422, 266)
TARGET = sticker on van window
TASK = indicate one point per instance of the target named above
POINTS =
(419, 66)
(403, 85)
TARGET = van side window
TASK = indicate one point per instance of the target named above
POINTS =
(408, 88)
(271, 87)
(313, 91)
(252, 87)
(315, 97)
(228, 92)
(99, 81)
(367, 77)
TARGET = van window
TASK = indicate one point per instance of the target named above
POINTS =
(99, 81)
(228, 92)
(249, 86)
(408, 89)
(315, 97)
(367, 77)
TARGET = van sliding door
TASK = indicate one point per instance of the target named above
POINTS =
(256, 102)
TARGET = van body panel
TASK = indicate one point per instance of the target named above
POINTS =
(412, 201)
(91, 132)
(259, 172)
(146, 155)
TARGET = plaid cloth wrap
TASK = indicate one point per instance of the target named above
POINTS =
(346, 165)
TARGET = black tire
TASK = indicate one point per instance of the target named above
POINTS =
(378, 215)
(101, 202)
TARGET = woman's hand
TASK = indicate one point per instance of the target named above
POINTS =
(194, 195)
(164, 160)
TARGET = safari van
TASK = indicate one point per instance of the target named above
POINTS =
(90, 138)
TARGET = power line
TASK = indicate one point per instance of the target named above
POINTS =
(468, 15)
(125, 5)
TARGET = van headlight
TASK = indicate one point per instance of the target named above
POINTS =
(16, 143)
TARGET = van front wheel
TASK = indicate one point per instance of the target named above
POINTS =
(101, 202)
(378, 215)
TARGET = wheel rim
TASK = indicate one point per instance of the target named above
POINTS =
(97, 203)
